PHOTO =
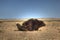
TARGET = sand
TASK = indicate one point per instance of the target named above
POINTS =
(9, 31)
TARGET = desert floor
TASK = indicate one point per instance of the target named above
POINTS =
(9, 31)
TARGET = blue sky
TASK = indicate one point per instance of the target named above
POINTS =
(29, 8)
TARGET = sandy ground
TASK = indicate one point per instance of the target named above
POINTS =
(9, 31)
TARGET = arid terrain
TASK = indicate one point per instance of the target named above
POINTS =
(9, 31)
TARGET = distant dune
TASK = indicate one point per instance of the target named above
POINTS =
(24, 19)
